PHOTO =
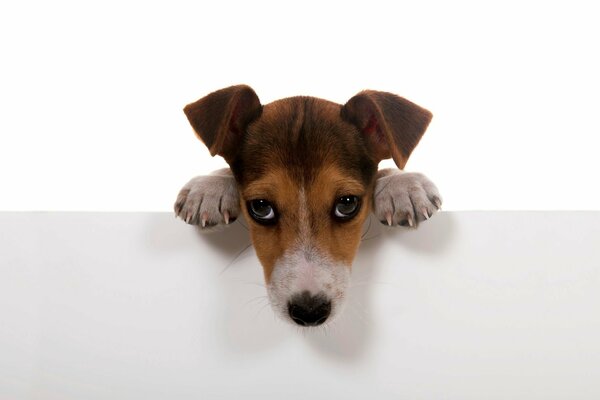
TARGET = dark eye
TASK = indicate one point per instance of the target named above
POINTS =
(346, 207)
(262, 211)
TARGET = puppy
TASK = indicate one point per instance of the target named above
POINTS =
(303, 173)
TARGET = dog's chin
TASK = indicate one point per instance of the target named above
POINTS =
(308, 290)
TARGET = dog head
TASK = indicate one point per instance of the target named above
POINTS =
(305, 169)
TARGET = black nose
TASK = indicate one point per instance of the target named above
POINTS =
(308, 310)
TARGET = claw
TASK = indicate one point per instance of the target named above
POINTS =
(437, 202)
(425, 213)
(204, 218)
(388, 218)
(226, 217)
(410, 221)
(188, 218)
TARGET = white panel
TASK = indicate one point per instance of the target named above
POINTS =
(472, 305)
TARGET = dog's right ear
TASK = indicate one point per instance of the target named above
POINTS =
(220, 119)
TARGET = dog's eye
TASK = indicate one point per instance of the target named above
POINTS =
(262, 211)
(346, 207)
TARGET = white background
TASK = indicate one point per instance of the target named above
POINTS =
(91, 92)
(469, 306)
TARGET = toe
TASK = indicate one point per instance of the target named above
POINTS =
(404, 212)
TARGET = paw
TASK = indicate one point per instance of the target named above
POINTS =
(209, 200)
(404, 198)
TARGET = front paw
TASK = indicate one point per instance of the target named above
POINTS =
(209, 200)
(405, 198)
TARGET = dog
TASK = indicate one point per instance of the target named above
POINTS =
(303, 172)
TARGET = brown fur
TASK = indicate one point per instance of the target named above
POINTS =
(299, 134)
(337, 239)
(307, 148)
(220, 119)
(391, 124)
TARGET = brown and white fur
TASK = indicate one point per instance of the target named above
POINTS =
(303, 156)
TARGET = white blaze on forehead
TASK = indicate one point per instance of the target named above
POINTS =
(304, 236)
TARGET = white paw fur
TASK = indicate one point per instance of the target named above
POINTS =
(209, 200)
(404, 198)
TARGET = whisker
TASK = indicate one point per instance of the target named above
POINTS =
(372, 237)
(325, 330)
(368, 229)
(242, 224)
(254, 299)
(334, 325)
(260, 310)
(365, 283)
(249, 283)
(235, 258)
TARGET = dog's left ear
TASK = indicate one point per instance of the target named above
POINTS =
(391, 125)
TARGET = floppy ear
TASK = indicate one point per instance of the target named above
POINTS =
(220, 119)
(391, 125)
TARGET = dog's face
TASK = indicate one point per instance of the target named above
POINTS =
(306, 184)
(305, 169)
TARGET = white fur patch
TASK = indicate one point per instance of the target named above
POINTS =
(304, 268)
(404, 198)
(209, 201)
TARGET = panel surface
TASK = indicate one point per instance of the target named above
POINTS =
(471, 305)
